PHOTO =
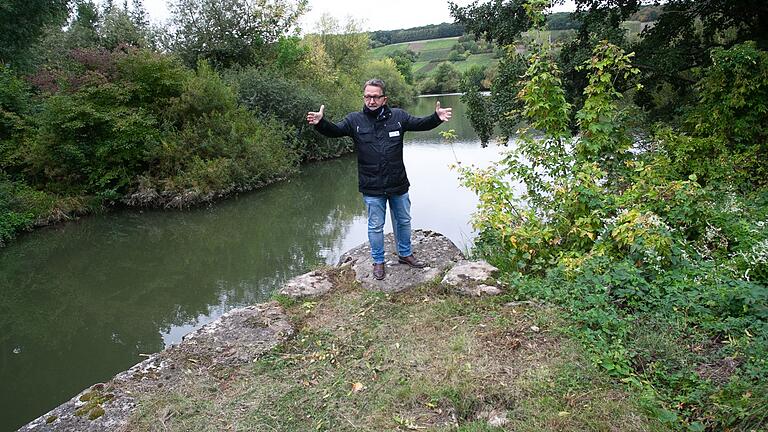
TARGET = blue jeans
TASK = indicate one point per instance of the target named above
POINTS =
(400, 211)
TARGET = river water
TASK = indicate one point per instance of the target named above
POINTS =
(84, 300)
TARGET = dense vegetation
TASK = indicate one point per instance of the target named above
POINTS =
(108, 110)
(649, 227)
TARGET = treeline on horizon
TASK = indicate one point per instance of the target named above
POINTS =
(555, 21)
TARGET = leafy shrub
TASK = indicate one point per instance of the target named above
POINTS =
(664, 281)
(14, 105)
(215, 146)
(132, 120)
(156, 79)
(21, 207)
(269, 95)
(445, 79)
(222, 153)
(87, 144)
(97, 132)
(728, 128)
(13, 217)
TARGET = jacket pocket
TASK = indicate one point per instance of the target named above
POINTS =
(368, 175)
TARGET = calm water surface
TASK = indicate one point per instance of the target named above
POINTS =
(82, 301)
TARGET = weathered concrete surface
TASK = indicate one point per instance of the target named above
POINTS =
(436, 250)
(310, 285)
(472, 278)
(237, 338)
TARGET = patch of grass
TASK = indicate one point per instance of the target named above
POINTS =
(484, 59)
(434, 54)
(423, 67)
(370, 361)
(415, 46)
(431, 53)
(22, 207)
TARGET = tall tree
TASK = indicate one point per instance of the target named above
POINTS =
(139, 15)
(23, 22)
(230, 32)
(681, 40)
(503, 21)
(345, 44)
(119, 27)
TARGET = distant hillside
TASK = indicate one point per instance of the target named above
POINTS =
(555, 21)
(434, 51)
(567, 21)
(433, 31)
(432, 62)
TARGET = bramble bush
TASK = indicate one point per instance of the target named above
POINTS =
(663, 279)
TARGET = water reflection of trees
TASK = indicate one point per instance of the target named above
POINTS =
(83, 300)
(459, 122)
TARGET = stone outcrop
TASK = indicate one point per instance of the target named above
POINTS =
(472, 278)
(436, 250)
(310, 285)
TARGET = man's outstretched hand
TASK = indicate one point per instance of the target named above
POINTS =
(314, 118)
(444, 113)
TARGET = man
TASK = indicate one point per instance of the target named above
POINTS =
(377, 132)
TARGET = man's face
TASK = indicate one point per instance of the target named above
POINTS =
(373, 98)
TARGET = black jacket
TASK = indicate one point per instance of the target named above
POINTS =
(379, 144)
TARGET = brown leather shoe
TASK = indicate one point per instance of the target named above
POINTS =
(411, 261)
(378, 271)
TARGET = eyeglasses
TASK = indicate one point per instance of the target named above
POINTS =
(367, 97)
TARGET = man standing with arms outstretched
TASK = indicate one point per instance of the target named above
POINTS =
(377, 132)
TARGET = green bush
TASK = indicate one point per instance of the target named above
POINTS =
(222, 153)
(155, 79)
(663, 280)
(126, 121)
(89, 143)
(214, 146)
(21, 207)
(98, 130)
(268, 94)
(728, 128)
(14, 106)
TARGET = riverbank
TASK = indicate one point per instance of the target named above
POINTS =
(349, 357)
(36, 209)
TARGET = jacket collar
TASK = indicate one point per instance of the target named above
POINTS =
(381, 113)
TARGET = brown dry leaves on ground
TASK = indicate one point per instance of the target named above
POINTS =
(421, 360)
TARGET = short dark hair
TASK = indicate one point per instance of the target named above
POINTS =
(375, 82)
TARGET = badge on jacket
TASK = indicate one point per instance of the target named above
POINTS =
(394, 134)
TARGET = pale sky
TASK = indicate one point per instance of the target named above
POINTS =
(390, 15)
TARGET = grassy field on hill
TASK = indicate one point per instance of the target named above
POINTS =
(431, 45)
(432, 52)
(485, 59)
